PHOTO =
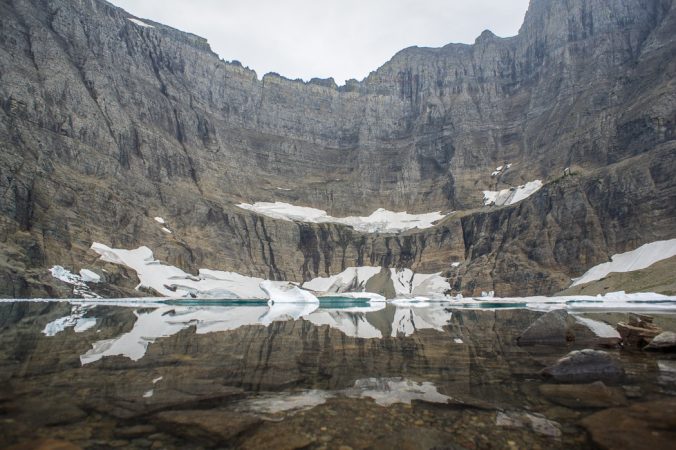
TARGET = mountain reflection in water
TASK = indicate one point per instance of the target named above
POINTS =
(358, 374)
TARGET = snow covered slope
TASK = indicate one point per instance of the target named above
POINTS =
(512, 195)
(171, 281)
(380, 221)
(644, 256)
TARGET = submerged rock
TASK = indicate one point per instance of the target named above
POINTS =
(559, 328)
(212, 425)
(45, 444)
(536, 422)
(592, 395)
(551, 328)
(643, 425)
(583, 366)
(665, 341)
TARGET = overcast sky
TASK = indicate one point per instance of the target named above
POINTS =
(318, 38)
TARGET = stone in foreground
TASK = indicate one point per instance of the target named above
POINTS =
(665, 341)
(584, 366)
(644, 425)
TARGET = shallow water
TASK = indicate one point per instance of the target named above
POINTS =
(245, 375)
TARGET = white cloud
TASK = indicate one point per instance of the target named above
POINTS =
(346, 39)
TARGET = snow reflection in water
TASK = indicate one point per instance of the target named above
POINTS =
(384, 391)
(353, 321)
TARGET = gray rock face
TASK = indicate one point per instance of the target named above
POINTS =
(106, 124)
(582, 366)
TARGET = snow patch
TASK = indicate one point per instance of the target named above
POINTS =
(171, 281)
(512, 195)
(80, 288)
(380, 221)
(640, 258)
(600, 329)
(140, 22)
(159, 220)
(89, 276)
(350, 279)
(407, 283)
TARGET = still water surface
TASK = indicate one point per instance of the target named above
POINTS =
(245, 375)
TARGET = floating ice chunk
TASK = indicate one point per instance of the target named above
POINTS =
(140, 22)
(640, 258)
(512, 195)
(287, 293)
(381, 220)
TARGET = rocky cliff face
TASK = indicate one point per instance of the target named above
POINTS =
(105, 123)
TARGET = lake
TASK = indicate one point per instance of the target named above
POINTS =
(346, 374)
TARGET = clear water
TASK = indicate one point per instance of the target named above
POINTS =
(242, 374)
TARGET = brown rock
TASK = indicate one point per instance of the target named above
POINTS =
(45, 444)
(593, 395)
(215, 426)
(585, 365)
(644, 425)
(638, 335)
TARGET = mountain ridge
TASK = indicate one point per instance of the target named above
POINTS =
(106, 124)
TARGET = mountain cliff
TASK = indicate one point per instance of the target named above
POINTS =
(106, 122)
